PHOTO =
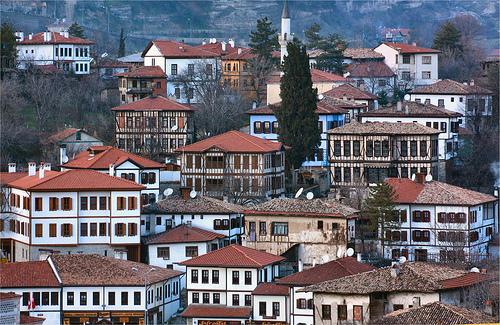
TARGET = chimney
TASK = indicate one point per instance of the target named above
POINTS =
(344, 97)
(471, 83)
(12, 167)
(407, 110)
(41, 170)
(204, 42)
(301, 265)
(19, 36)
(185, 193)
(414, 43)
(420, 178)
(62, 154)
(231, 42)
(111, 169)
(358, 257)
(239, 50)
(213, 40)
(66, 34)
(395, 269)
(314, 262)
(224, 46)
(31, 168)
(48, 166)
(399, 106)
(30, 36)
(254, 105)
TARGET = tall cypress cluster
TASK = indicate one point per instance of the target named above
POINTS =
(298, 121)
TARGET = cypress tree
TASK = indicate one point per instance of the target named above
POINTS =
(121, 46)
(264, 40)
(312, 36)
(8, 52)
(296, 115)
(76, 30)
(447, 38)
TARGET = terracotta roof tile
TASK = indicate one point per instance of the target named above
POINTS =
(153, 103)
(25, 319)
(328, 271)
(36, 274)
(6, 178)
(374, 69)
(410, 49)
(100, 157)
(435, 313)
(56, 38)
(111, 63)
(239, 54)
(234, 141)
(383, 128)
(9, 295)
(362, 53)
(217, 48)
(350, 92)
(143, 72)
(199, 205)
(451, 87)
(411, 109)
(173, 49)
(317, 76)
(234, 256)
(79, 179)
(435, 193)
(216, 311)
(61, 135)
(324, 106)
(302, 208)
(97, 270)
(183, 234)
(271, 289)
(465, 280)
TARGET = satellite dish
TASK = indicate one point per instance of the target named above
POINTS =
(321, 96)
(407, 97)
(65, 159)
(299, 192)
(350, 252)
(310, 195)
(474, 270)
(428, 178)
(402, 259)
(413, 177)
(192, 194)
(168, 192)
(105, 54)
(175, 128)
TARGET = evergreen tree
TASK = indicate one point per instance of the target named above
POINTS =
(8, 51)
(264, 40)
(121, 46)
(382, 98)
(332, 59)
(76, 30)
(312, 36)
(296, 116)
(447, 38)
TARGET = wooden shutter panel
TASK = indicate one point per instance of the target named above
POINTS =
(70, 203)
(70, 230)
(414, 235)
(404, 235)
(388, 234)
(116, 230)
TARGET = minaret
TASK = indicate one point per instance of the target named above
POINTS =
(284, 37)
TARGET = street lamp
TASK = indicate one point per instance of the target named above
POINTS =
(145, 292)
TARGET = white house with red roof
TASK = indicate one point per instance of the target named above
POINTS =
(119, 163)
(440, 222)
(73, 211)
(223, 280)
(412, 64)
(234, 165)
(179, 61)
(51, 48)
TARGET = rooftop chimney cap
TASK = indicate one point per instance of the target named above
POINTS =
(12, 167)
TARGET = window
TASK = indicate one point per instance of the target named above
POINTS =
(190, 69)
(426, 59)
(38, 230)
(124, 298)
(70, 298)
(413, 148)
(236, 300)
(120, 229)
(52, 230)
(404, 148)
(421, 235)
(406, 59)
(405, 75)
(173, 69)
(257, 127)
(423, 148)
(191, 251)
(275, 127)
(111, 298)
(215, 276)
(54, 298)
(93, 203)
(280, 228)
(196, 298)
(93, 229)
(248, 277)
(204, 276)
(163, 252)
(66, 230)
(301, 303)
(206, 298)
(236, 277)
(262, 228)
(38, 204)
(276, 309)
(262, 308)
(132, 203)
(216, 298)
(103, 229)
(357, 313)
(120, 203)
(194, 276)
(385, 148)
(84, 229)
(369, 148)
(342, 312)
(177, 92)
(267, 127)
(441, 102)
(84, 203)
(83, 298)
(103, 200)
(382, 82)
(137, 298)
(95, 298)
(53, 204)
(45, 298)
(326, 312)
(426, 74)
(356, 148)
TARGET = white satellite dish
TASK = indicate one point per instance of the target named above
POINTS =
(168, 192)
(474, 270)
(413, 177)
(192, 194)
(175, 128)
(310, 195)
(402, 259)
(350, 252)
(407, 97)
(428, 178)
(321, 96)
(65, 159)
(105, 54)
(299, 192)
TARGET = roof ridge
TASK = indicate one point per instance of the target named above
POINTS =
(239, 134)
(242, 252)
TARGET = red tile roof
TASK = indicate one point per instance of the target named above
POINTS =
(175, 204)
(410, 49)
(74, 180)
(172, 49)
(153, 103)
(465, 280)
(329, 271)
(61, 135)
(25, 319)
(98, 270)
(100, 157)
(372, 128)
(325, 106)
(216, 312)
(324, 207)
(234, 256)
(317, 76)
(6, 178)
(56, 38)
(234, 141)
(451, 87)
(217, 48)
(143, 72)
(9, 295)
(350, 92)
(370, 69)
(411, 109)
(435, 193)
(246, 54)
(362, 53)
(271, 289)
(37, 274)
(183, 234)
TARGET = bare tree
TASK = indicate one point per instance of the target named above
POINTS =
(259, 70)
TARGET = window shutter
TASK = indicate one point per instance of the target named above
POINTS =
(388, 235)
(404, 236)
(414, 215)
(414, 235)
(70, 203)
(116, 230)
(70, 230)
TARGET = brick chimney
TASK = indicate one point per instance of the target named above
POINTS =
(12, 167)
(185, 192)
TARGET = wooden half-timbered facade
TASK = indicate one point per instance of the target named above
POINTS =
(155, 126)
(367, 153)
(234, 166)
(141, 83)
